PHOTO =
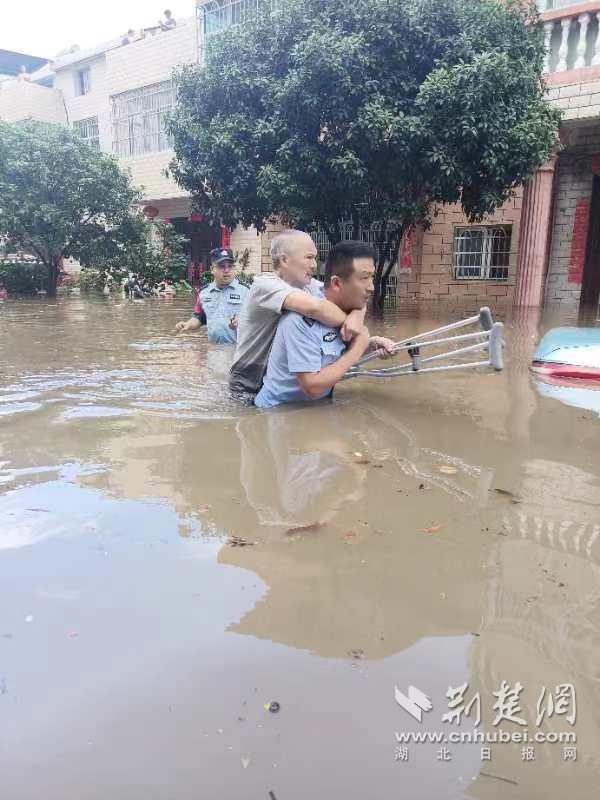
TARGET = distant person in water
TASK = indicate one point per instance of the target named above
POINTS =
(309, 358)
(218, 304)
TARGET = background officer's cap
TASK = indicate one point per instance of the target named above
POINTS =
(220, 255)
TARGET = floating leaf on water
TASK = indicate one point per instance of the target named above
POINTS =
(314, 526)
(505, 493)
(203, 509)
(432, 529)
(237, 541)
(358, 653)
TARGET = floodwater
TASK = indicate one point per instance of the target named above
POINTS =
(171, 564)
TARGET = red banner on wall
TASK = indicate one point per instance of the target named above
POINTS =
(579, 243)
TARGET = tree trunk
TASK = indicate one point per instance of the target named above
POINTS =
(53, 270)
(389, 243)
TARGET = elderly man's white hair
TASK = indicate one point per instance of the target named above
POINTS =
(282, 244)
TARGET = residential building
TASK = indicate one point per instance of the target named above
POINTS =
(116, 96)
(542, 246)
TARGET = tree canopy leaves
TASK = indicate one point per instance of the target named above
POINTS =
(370, 111)
(61, 197)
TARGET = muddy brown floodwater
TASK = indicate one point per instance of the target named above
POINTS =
(171, 564)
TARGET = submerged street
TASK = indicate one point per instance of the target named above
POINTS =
(171, 564)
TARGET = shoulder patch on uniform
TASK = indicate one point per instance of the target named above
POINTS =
(309, 321)
(330, 336)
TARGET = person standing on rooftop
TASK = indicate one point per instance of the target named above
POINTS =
(168, 22)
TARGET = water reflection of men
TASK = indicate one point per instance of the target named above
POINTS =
(219, 303)
(290, 287)
(308, 358)
(296, 475)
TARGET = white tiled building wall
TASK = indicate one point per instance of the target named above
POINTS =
(124, 68)
(94, 104)
(143, 63)
(21, 100)
(151, 60)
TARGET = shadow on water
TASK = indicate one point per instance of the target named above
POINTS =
(171, 562)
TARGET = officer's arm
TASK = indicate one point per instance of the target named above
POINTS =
(308, 306)
(197, 319)
(191, 325)
(316, 384)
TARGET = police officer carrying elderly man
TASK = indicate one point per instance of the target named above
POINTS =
(289, 291)
(218, 304)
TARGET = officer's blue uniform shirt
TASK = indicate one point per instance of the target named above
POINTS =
(300, 345)
(220, 305)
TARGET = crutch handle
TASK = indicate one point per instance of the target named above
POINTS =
(485, 318)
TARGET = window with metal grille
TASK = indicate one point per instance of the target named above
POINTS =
(482, 252)
(138, 118)
(368, 234)
(88, 130)
(217, 15)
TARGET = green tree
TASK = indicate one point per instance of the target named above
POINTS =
(59, 197)
(373, 112)
(153, 250)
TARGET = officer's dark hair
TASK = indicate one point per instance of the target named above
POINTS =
(340, 260)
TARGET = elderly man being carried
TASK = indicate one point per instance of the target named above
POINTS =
(309, 357)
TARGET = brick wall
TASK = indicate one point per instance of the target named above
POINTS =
(431, 275)
(266, 237)
(579, 100)
(242, 238)
(573, 189)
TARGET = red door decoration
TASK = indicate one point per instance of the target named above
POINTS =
(225, 237)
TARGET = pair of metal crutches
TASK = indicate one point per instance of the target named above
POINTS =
(488, 338)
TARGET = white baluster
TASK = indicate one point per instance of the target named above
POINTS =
(596, 53)
(564, 44)
(584, 21)
(548, 29)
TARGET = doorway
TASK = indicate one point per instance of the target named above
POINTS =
(590, 285)
(202, 237)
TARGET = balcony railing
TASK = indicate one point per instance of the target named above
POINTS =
(572, 40)
(554, 5)
(217, 15)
